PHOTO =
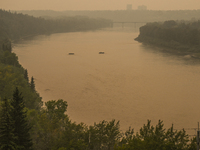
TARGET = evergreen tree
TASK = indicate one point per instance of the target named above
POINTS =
(21, 127)
(26, 75)
(32, 84)
(7, 137)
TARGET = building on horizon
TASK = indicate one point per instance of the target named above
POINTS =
(129, 7)
(142, 7)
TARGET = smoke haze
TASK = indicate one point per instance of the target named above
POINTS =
(60, 5)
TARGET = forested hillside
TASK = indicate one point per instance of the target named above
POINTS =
(15, 26)
(25, 124)
(13, 75)
(182, 36)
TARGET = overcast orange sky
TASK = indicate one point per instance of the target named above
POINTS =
(61, 5)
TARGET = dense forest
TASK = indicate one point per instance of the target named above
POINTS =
(15, 25)
(27, 124)
(181, 36)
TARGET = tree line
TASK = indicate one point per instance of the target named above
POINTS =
(180, 35)
(51, 129)
(14, 128)
(18, 25)
(13, 75)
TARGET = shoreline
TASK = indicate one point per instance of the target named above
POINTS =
(171, 47)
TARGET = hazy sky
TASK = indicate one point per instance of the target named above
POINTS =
(97, 4)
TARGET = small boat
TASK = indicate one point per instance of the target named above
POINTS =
(101, 52)
(71, 53)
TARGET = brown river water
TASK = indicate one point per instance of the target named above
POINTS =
(130, 82)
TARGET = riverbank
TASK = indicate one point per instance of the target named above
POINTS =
(171, 47)
(175, 37)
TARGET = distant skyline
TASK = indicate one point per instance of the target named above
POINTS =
(60, 5)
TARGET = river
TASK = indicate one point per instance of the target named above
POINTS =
(130, 82)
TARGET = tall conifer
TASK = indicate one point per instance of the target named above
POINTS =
(26, 75)
(21, 127)
(32, 84)
(7, 137)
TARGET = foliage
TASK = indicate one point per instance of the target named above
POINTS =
(14, 127)
(56, 109)
(53, 130)
(6, 45)
(48, 124)
(157, 138)
(26, 75)
(9, 58)
(32, 84)
(7, 137)
(73, 136)
(180, 35)
(12, 75)
(20, 122)
(17, 25)
(104, 135)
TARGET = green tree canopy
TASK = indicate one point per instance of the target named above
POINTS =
(21, 127)
(7, 136)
